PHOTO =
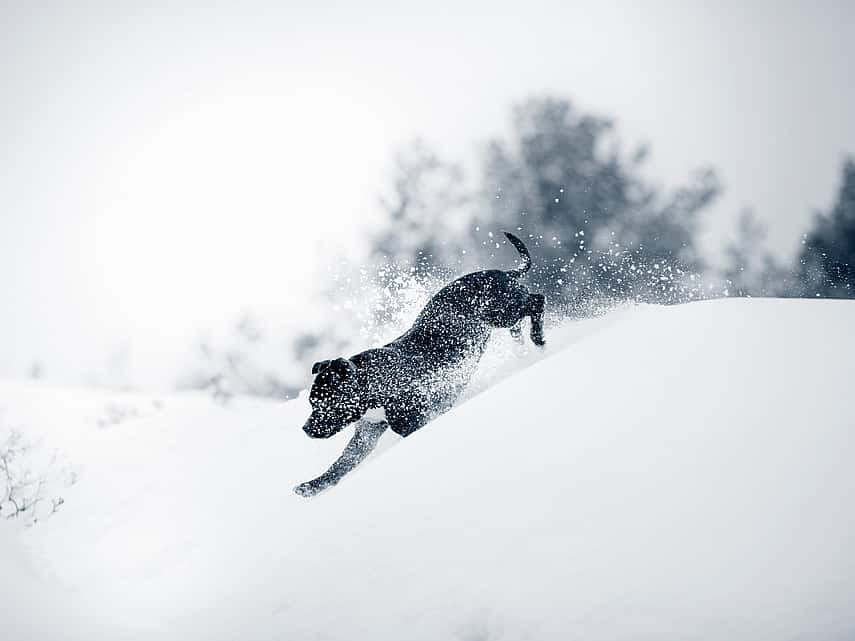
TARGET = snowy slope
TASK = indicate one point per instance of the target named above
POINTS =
(664, 473)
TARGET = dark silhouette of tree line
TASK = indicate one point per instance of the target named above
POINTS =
(602, 231)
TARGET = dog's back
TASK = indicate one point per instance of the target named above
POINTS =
(440, 352)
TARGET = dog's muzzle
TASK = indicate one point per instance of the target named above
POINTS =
(317, 428)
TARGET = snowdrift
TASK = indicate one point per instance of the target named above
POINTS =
(661, 473)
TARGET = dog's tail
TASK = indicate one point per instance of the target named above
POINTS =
(523, 250)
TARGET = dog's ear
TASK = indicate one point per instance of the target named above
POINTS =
(320, 366)
(343, 366)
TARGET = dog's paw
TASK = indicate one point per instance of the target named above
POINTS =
(538, 339)
(306, 490)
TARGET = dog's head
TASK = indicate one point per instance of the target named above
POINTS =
(335, 398)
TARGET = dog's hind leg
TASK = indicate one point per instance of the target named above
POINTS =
(536, 303)
(362, 443)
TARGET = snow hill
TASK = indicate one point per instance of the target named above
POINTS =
(662, 473)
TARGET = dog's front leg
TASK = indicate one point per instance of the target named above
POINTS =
(362, 443)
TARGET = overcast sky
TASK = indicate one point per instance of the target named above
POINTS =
(163, 169)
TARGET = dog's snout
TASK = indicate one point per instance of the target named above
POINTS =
(312, 430)
(316, 429)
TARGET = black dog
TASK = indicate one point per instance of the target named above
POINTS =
(420, 374)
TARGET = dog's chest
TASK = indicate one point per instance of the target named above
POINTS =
(375, 415)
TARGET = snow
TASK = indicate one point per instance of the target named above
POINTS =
(658, 473)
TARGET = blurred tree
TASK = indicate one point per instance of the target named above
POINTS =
(248, 361)
(602, 231)
(750, 269)
(827, 260)
(598, 230)
(423, 211)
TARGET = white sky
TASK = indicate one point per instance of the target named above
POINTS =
(162, 170)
